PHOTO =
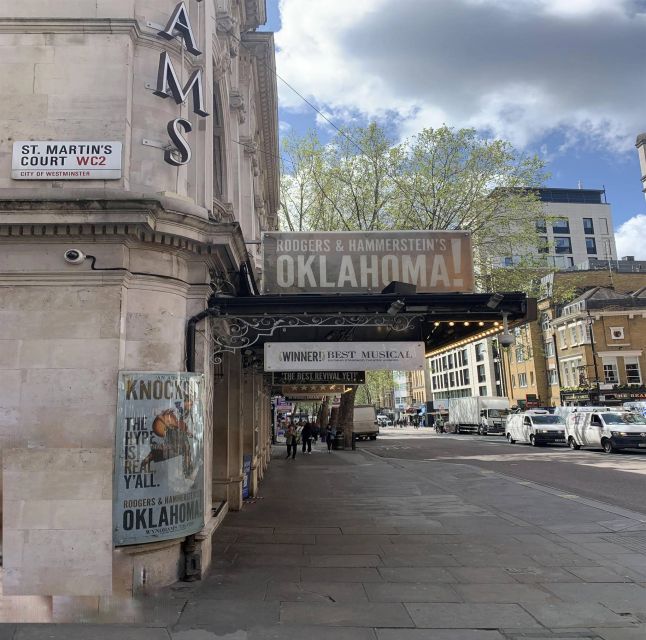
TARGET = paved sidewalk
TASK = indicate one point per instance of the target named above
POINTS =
(349, 546)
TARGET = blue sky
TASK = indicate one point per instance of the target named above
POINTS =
(561, 78)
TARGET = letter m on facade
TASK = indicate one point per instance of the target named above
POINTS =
(168, 84)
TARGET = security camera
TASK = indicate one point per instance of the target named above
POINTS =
(74, 256)
(506, 339)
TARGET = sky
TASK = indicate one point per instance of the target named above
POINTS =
(563, 79)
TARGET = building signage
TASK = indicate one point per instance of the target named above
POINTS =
(319, 377)
(344, 356)
(168, 84)
(62, 160)
(159, 459)
(355, 262)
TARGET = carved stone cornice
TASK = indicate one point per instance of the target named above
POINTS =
(255, 13)
(160, 221)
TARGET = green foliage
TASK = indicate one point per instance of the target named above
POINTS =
(441, 179)
(377, 389)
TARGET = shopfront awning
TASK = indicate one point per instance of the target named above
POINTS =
(246, 323)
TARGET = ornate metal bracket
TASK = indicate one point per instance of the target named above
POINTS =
(230, 334)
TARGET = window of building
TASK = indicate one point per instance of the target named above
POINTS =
(633, 375)
(617, 333)
(588, 226)
(482, 391)
(465, 358)
(610, 373)
(450, 361)
(561, 225)
(218, 143)
(574, 338)
(562, 338)
(452, 379)
(522, 379)
(480, 351)
(466, 376)
(591, 246)
(552, 376)
(446, 380)
(519, 353)
(549, 348)
(562, 245)
(541, 226)
(481, 373)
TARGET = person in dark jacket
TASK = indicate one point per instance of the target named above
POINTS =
(306, 435)
(330, 434)
(291, 438)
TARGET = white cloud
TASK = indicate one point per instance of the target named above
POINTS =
(518, 68)
(630, 238)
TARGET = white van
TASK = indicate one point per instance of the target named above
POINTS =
(366, 426)
(535, 427)
(610, 430)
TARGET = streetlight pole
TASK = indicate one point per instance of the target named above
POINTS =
(590, 323)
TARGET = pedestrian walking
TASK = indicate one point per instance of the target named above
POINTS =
(291, 438)
(330, 434)
(306, 435)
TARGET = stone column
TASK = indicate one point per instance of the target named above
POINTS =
(249, 417)
(227, 435)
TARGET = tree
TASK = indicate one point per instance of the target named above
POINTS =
(378, 387)
(441, 179)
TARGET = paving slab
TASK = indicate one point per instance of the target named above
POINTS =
(329, 574)
(438, 634)
(568, 615)
(621, 598)
(598, 574)
(636, 633)
(503, 593)
(354, 615)
(309, 632)
(479, 575)
(416, 574)
(85, 631)
(227, 616)
(533, 575)
(324, 592)
(406, 592)
(7, 631)
(363, 560)
(417, 560)
(471, 616)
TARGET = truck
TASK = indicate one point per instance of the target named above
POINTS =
(366, 426)
(480, 414)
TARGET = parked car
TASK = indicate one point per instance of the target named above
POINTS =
(384, 421)
(610, 430)
(536, 427)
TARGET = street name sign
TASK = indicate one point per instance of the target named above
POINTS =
(52, 160)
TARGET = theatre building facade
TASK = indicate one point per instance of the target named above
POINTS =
(137, 170)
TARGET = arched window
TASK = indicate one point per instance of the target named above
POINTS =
(218, 143)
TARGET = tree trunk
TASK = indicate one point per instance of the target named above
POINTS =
(324, 414)
(346, 415)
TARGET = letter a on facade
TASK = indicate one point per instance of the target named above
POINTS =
(180, 21)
